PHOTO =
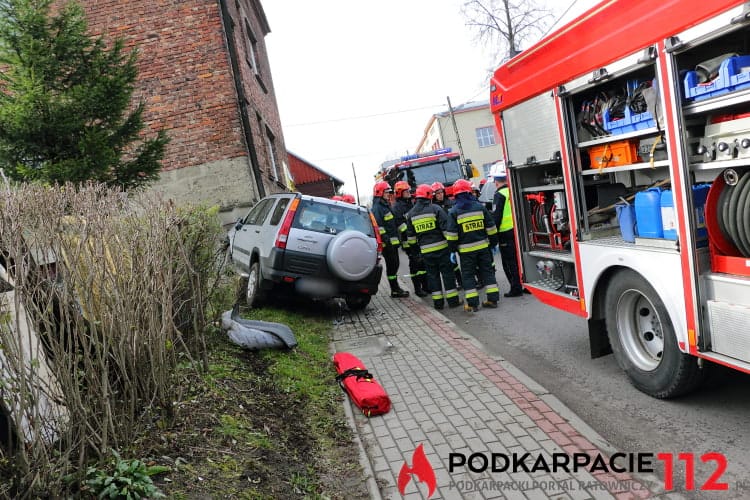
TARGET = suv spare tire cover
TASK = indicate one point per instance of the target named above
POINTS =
(352, 255)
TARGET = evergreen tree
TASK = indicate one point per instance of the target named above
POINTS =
(65, 101)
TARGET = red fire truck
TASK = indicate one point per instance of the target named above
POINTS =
(627, 139)
(440, 165)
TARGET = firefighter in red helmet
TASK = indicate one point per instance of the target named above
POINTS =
(426, 224)
(401, 205)
(472, 232)
(381, 210)
(348, 198)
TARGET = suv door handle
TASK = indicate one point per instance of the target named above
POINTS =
(308, 239)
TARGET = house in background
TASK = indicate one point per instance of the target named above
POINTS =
(476, 130)
(309, 179)
(205, 78)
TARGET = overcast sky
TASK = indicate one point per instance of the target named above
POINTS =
(357, 82)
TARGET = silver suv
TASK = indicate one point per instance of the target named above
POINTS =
(312, 246)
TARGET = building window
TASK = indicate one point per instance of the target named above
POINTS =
(486, 169)
(486, 136)
(252, 49)
(270, 144)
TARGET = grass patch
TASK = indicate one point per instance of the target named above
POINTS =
(262, 425)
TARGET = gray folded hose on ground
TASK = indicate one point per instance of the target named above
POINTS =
(254, 334)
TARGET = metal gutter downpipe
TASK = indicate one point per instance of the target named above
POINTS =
(228, 23)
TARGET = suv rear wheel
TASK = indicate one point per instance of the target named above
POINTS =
(254, 294)
(357, 301)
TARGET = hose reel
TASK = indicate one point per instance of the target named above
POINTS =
(728, 213)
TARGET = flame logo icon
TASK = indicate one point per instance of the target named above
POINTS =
(421, 468)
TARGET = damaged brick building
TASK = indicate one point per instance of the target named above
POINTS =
(205, 78)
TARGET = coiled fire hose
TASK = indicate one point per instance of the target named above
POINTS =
(733, 210)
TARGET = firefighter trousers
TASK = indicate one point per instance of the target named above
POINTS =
(478, 264)
(392, 262)
(417, 269)
(438, 265)
(510, 262)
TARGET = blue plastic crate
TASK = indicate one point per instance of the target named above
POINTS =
(731, 77)
(629, 123)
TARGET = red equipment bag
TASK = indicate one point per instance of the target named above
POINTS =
(364, 390)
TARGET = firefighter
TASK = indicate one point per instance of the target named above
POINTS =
(401, 205)
(501, 213)
(426, 225)
(472, 232)
(381, 210)
(440, 199)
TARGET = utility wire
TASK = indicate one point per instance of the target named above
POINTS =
(347, 118)
(559, 17)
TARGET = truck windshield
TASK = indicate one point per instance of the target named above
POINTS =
(446, 172)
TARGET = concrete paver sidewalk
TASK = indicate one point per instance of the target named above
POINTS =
(451, 397)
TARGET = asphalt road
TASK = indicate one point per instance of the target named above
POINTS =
(551, 347)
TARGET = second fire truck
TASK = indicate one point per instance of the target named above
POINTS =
(627, 135)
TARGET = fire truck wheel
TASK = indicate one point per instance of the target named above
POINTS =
(643, 340)
(254, 294)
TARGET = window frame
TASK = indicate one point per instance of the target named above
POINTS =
(485, 136)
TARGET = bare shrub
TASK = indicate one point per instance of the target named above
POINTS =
(109, 293)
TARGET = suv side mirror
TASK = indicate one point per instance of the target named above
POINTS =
(238, 224)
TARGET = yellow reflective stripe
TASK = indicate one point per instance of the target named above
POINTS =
(434, 247)
(412, 240)
(493, 289)
(394, 241)
(451, 236)
(423, 217)
(437, 295)
(473, 247)
(420, 273)
(451, 293)
(467, 217)
(471, 294)
(381, 230)
(402, 227)
(492, 230)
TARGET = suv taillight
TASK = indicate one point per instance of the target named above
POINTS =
(377, 233)
(286, 226)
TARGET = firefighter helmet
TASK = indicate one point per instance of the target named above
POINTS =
(498, 171)
(482, 182)
(380, 188)
(337, 198)
(438, 186)
(462, 186)
(400, 187)
(424, 191)
(348, 198)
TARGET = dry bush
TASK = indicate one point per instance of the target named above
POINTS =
(109, 293)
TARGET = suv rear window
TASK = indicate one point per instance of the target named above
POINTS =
(332, 219)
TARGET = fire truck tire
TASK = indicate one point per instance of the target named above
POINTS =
(643, 339)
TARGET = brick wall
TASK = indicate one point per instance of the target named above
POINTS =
(186, 81)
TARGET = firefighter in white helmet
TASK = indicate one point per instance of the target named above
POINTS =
(501, 213)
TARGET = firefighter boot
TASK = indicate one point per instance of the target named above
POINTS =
(490, 303)
(420, 290)
(396, 290)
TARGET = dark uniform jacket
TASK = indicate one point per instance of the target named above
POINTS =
(399, 210)
(471, 227)
(386, 222)
(426, 224)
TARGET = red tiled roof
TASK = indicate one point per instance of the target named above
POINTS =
(304, 172)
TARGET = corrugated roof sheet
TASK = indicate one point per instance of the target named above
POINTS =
(304, 172)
